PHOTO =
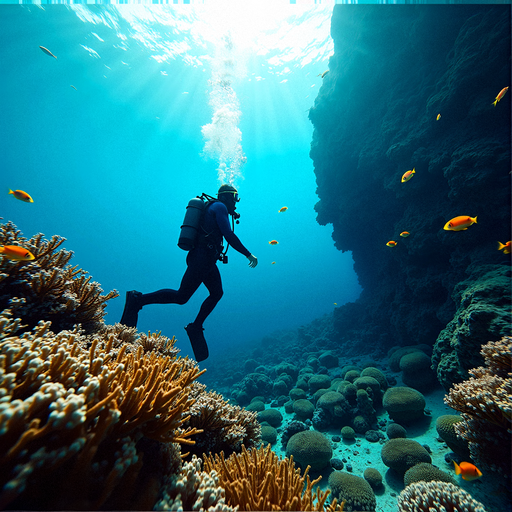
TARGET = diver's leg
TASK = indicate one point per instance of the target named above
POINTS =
(213, 283)
(132, 306)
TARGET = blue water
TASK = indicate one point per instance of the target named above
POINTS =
(112, 161)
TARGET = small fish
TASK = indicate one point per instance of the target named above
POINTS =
(504, 247)
(273, 242)
(16, 253)
(21, 195)
(460, 223)
(500, 95)
(438, 117)
(408, 175)
(391, 243)
(405, 234)
(74, 87)
(335, 303)
(48, 52)
(283, 209)
(273, 263)
(324, 73)
(467, 470)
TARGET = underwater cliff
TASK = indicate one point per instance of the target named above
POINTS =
(393, 70)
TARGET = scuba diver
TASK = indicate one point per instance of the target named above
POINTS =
(202, 259)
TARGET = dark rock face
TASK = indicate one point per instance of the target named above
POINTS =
(394, 69)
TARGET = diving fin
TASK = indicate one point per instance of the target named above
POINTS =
(132, 307)
(199, 346)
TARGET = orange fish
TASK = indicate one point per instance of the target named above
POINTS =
(16, 253)
(273, 242)
(283, 209)
(22, 196)
(391, 243)
(405, 234)
(467, 470)
(504, 247)
(273, 263)
(460, 223)
(438, 117)
(408, 175)
(500, 95)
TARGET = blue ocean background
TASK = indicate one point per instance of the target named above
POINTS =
(107, 139)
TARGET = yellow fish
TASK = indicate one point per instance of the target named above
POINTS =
(504, 247)
(408, 175)
(405, 234)
(391, 243)
(273, 242)
(16, 253)
(283, 209)
(460, 223)
(273, 263)
(438, 117)
(21, 195)
(500, 95)
(48, 52)
(467, 470)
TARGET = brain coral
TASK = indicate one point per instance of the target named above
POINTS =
(373, 477)
(333, 402)
(303, 409)
(424, 472)
(394, 430)
(429, 496)
(310, 448)
(445, 426)
(371, 371)
(317, 382)
(272, 416)
(354, 490)
(403, 404)
(401, 454)
(416, 371)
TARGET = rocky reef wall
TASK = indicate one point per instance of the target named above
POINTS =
(394, 69)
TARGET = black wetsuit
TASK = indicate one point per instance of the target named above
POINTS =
(202, 264)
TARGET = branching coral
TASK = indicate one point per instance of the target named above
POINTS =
(485, 401)
(71, 417)
(428, 496)
(259, 480)
(225, 427)
(50, 288)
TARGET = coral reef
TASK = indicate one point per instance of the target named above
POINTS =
(354, 490)
(445, 426)
(403, 404)
(310, 448)
(401, 454)
(427, 496)
(373, 477)
(259, 480)
(48, 287)
(485, 404)
(220, 425)
(483, 315)
(425, 472)
(72, 416)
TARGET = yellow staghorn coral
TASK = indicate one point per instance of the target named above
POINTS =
(50, 289)
(259, 480)
(224, 427)
(485, 401)
(72, 417)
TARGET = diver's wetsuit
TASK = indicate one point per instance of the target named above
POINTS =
(202, 264)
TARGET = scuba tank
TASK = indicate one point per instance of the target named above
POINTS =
(191, 223)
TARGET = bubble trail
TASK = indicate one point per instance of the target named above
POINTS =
(223, 138)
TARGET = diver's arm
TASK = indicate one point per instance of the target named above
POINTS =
(221, 216)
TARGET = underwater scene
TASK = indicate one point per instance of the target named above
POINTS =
(256, 256)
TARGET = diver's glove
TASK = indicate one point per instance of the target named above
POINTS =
(253, 261)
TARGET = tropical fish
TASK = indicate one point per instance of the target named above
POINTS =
(460, 223)
(500, 95)
(48, 52)
(74, 87)
(335, 303)
(438, 117)
(283, 209)
(16, 253)
(408, 175)
(467, 470)
(504, 247)
(21, 195)
(273, 263)
(273, 242)
(324, 73)
(405, 234)
(391, 243)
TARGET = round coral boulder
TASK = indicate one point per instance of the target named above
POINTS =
(272, 416)
(403, 404)
(354, 490)
(317, 382)
(310, 448)
(303, 409)
(401, 454)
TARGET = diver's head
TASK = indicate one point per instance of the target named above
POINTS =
(229, 196)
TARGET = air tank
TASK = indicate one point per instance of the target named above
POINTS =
(191, 224)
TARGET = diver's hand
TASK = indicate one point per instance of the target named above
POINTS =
(253, 261)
